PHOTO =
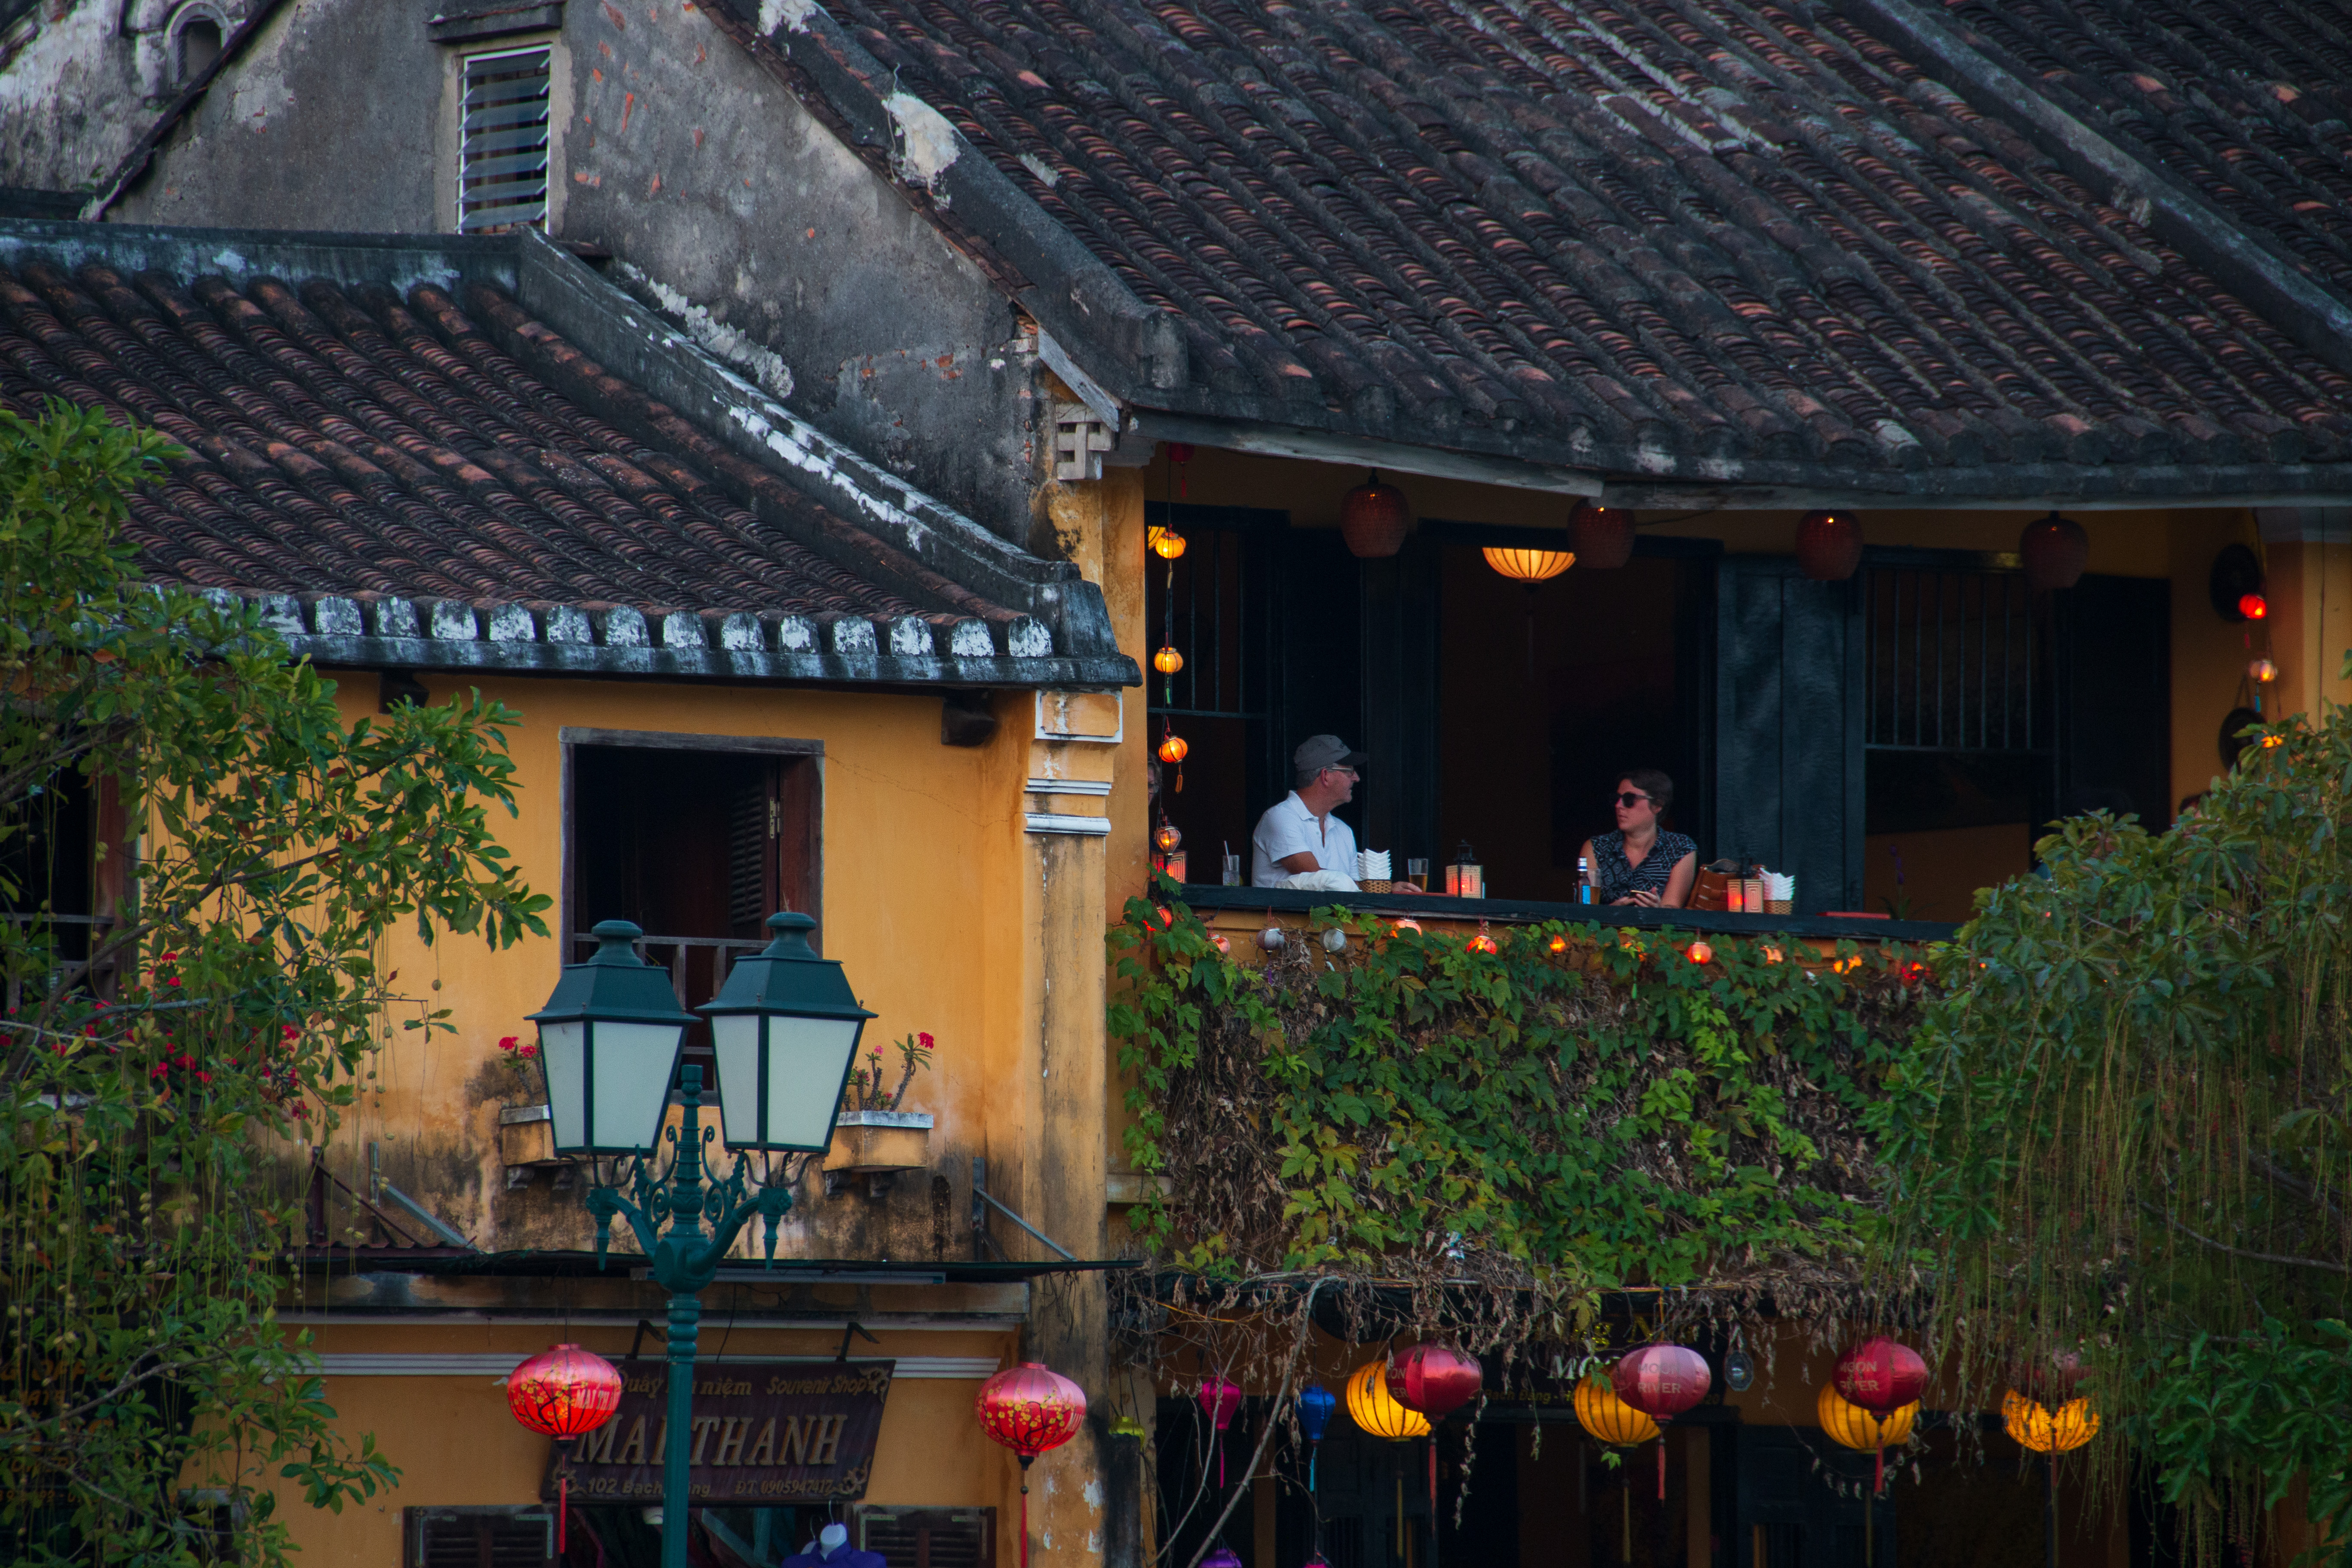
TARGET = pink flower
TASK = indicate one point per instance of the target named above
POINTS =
(926, 1040)
(508, 1043)
(204, 1077)
(291, 1031)
(528, 1051)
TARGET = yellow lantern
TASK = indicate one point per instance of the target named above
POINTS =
(1608, 1418)
(1853, 1426)
(2046, 1431)
(1372, 1407)
(1168, 661)
(2264, 670)
(1530, 566)
(1166, 542)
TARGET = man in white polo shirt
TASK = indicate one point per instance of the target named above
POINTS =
(1300, 835)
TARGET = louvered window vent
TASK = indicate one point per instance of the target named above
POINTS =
(502, 170)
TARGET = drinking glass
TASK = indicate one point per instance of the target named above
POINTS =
(1417, 873)
(1232, 870)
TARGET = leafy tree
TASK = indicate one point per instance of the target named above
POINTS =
(163, 1068)
(2123, 1137)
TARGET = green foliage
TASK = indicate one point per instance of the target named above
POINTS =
(2124, 1136)
(1609, 1113)
(162, 1070)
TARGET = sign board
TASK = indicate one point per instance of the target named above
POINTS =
(765, 1434)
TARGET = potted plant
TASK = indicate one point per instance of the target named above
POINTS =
(526, 1131)
(873, 1137)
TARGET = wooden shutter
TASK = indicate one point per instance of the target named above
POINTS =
(929, 1537)
(481, 1537)
(1789, 727)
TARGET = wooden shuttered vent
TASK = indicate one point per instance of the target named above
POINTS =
(929, 1537)
(481, 1537)
(502, 167)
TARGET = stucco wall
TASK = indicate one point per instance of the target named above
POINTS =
(723, 203)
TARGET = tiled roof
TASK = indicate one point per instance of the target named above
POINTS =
(1687, 240)
(2247, 104)
(382, 468)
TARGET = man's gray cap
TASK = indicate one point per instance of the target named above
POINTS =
(1319, 752)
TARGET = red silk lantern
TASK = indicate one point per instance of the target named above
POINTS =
(2054, 550)
(1828, 545)
(1879, 1374)
(1219, 1399)
(566, 1393)
(1660, 1382)
(1603, 535)
(1372, 519)
(1029, 1409)
(1437, 1380)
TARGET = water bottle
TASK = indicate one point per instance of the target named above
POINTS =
(1583, 881)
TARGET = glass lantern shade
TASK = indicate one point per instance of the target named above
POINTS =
(784, 1028)
(609, 1040)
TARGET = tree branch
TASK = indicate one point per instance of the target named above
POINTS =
(1273, 1420)
(2291, 1262)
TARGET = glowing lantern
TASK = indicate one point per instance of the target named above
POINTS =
(2263, 671)
(1612, 1421)
(1771, 953)
(2253, 606)
(1172, 749)
(1437, 1380)
(1373, 518)
(1699, 952)
(1482, 942)
(1166, 542)
(1828, 545)
(1603, 536)
(1223, 943)
(1316, 1404)
(2054, 550)
(1530, 566)
(1166, 837)
(1168, 661)
(1879, 1374)
(1030, 1408)
(1376, 1410)
(566, 1393)
(1865, 1430)
(1223, 1557)
(1560, 944)
(2036, 1426)
(1406, 925)
(1660, 1382)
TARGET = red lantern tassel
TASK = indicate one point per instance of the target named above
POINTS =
(1877, 1471)
(1024, 1511)
(563, 1508)
(1662, 1466)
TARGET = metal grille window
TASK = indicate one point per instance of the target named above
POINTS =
(929, 1537)
(502, 167)
(1955, 663)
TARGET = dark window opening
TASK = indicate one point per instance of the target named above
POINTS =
(200, 46)
(697, 848)
(502, 167)
(52, 886)
(491, 1537)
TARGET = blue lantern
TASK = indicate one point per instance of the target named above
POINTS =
(1314, 1406)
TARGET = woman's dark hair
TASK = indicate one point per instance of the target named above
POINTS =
(1654, 784)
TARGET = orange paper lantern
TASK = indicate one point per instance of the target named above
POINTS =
(1530, 566)
(1699, 952)
(566, 1393)
(1168, 661)
(1172, 749)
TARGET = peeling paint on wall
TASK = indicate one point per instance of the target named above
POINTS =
(791, 13)
(927, 144)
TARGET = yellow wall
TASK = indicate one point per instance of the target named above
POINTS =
(947, 915)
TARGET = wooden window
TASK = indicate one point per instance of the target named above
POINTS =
(695, 840)
(928, 1537)
(480, 1537)
(503, 158)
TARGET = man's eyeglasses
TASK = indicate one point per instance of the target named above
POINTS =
(1348, 774)
(1629, 799)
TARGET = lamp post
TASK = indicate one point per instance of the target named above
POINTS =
(785, 1027)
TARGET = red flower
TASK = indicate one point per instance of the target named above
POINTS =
(292, 1032)
(171, 980)
(926, 1039)
(507, 1044)
(204, 1077)
(528, 1051)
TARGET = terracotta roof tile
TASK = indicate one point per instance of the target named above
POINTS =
(1647, 236)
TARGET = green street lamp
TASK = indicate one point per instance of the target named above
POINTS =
(786, 1025)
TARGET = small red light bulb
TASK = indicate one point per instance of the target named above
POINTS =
(2253, 606)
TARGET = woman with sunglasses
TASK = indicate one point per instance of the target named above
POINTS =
(1641, 863)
